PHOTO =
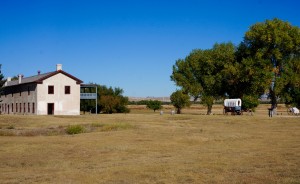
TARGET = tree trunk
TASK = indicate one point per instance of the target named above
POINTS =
(209, 109)
(178, 111)
(272, 88)
(273, 101)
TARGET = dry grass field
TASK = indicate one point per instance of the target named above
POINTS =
(145, 147)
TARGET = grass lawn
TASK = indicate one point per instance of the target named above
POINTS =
(145, 147)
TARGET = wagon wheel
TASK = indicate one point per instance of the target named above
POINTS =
(289, 112)
(225, 112)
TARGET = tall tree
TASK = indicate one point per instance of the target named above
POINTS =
(246, 79)
(275, 41)
(200, 73)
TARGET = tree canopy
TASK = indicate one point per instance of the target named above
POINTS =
(154, 105)
(289, 82)
(276, 42)
(180, 100)
(200, 74)
(110, 100)
(266, 60)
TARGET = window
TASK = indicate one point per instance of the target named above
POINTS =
(28, 108)
(33, 108)
(50, 89)
(67, 89)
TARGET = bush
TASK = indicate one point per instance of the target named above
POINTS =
(249, 102)
(75, 129)
(180, 100)
(154, 105)
(11, 127)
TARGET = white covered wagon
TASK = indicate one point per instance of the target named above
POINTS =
(233, 105)
(293, 111)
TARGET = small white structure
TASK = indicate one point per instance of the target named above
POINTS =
(233, 105)
(294, 110)
(52, 93)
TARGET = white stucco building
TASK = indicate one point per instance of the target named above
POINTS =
(52, 93)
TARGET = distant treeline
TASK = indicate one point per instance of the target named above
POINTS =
(146, 102)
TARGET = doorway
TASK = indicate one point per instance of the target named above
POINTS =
(50, 108)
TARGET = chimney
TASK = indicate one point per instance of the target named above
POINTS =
(7, 80)
(20, 78)
(58, 67)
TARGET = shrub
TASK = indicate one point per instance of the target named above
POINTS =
(75, 129)
(180, 100)
(154, 105)
(11, 127)
(249, 102)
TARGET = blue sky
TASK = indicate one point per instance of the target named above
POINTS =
(129, 44)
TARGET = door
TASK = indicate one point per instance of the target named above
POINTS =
(50, 108)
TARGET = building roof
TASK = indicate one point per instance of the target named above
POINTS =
(40, 78)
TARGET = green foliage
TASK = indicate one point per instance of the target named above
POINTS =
(246, 77)
(289, 82)
(275, 41)
(143, 102)
(180, 100)
(200, 73)
(249, 102)
(265, 60)
(154, 105)
(75, 129)
(110, 100)
(208, 101)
